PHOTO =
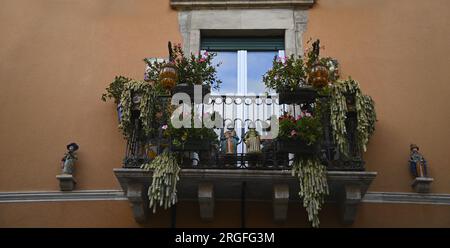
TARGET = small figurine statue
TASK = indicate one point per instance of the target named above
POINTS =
(69, 159)
(417, 162)
(418, 166)
(252, 139)
(229, 140)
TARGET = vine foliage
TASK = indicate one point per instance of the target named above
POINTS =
(163, 190)
(151, 110)
(312, 176)
(364, 107)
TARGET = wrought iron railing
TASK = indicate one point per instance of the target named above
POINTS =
(242, 110)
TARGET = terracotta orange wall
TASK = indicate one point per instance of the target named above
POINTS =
(399, 52)
(118, 214)
(56, 58)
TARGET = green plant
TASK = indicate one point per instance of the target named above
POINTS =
(290, 73)
(195, 70)
(287, 73)
(163, 190)
(180, 136)
(115, 89)
(365, 113)
(313, 185)
(153, 69)
(152, 111)
(307, 128)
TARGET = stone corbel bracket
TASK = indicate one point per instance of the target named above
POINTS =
(348, 189)
(66, 182)
(135, 186)
(206, 200)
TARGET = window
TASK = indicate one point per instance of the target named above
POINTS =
(243, 61)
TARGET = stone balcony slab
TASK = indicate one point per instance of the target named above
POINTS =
(347, 188)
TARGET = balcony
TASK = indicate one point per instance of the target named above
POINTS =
(208, 174)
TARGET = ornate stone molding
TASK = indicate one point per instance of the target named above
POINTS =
(119, 195)
(58, 196)
(290, 22)
(199, 4)
(406, 198)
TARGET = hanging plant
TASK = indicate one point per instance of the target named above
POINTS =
(312, 176)
(143, 97)
(115, 89)
(163, 190)
(365, 113)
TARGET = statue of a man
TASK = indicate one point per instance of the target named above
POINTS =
(229, 141)
(252, 139)
(417, 163)
(69, 159)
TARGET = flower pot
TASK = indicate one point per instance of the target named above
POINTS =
(190, 89)
(297, 146)
(298, 96)
(168, 76)
(319, 76)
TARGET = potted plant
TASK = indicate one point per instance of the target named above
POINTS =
(114, 91)
(288, 78)
(194, 70)
(191, 139)
(299, 135)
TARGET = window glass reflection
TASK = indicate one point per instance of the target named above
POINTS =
(258, 63)
(227, 72)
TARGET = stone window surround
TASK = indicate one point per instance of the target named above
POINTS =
(290, 21)
(178, 4)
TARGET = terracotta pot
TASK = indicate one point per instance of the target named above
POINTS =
(168, 76)
(319, 76)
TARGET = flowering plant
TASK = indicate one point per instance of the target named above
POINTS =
(305, 127)
(191, 70)
(290, 73)
(195, 70)
(287, 73)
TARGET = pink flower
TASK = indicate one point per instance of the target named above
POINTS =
(308, 114)
(293, 133)
(299, 117)
(164, 127)
(201, 60)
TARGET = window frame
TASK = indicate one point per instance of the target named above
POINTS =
(242, 46)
